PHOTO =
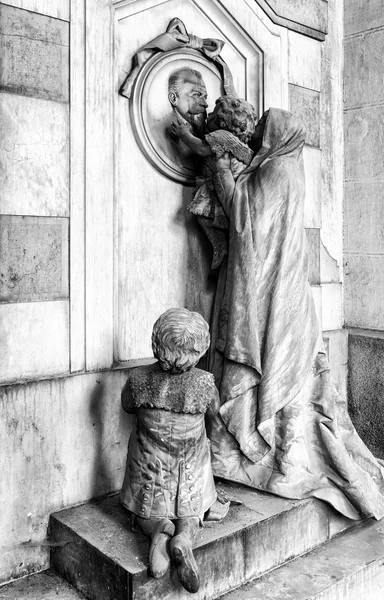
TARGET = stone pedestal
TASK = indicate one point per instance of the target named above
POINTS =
(98, 554)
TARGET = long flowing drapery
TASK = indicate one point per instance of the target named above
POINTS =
(282, 426)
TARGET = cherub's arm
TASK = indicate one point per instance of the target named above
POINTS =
(198, 146)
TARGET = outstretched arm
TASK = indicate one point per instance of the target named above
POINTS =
(198, 146)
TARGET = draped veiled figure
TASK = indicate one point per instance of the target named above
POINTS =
(282, 426)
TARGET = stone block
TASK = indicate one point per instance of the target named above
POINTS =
(63, 441)
(305, 104)
(362, 15)
(259, 534)
(310, 19)
(34, 154)
(364, 217)
(34, 340)
(34, 252)
(35, 54)
(304, 61)
(102, 579)
(58, 9)
(41, 586)
(338, 523)
(366, 387)
(364, 280)
(290, 536)
(313, 247)
(331, 133)
(363, 76)
(348, 568)
(364, 134)
(312, 169)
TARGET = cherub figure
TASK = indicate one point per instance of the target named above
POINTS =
(229, 128)
(168, 485)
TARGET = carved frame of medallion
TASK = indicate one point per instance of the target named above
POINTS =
(139, 109)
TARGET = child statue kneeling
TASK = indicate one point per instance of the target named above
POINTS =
(168, 485)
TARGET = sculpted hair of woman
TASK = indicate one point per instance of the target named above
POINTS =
(179, 339)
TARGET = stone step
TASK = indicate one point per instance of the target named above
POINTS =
(105, 561)
(41, 586)
(350, 567)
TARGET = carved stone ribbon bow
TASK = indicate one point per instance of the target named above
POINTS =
(176, 36)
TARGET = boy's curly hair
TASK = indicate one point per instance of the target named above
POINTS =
(237, 116)
(179, 339)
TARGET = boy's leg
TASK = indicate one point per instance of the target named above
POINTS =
(181, 552)
(160, 531)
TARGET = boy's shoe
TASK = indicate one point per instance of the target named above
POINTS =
(181, 552)
(159, 559)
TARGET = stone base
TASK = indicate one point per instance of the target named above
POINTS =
(41, 586)
(349, 568)
(105, 561)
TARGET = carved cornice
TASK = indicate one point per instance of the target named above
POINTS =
(308, 17)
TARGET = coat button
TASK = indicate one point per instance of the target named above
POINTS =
(192, 497)
(149, 476)
(145, 497)
(143, 510)
(187, 466)
(190, 477)
(147, 486)
(191, 488)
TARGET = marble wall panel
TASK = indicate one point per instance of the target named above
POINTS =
(34, 258)
(58, 9)
(332, 306)
(34, 153)
(360, 15)
(34, 340)
(162, 253)
(337, 349)
(364, 291)
(77, 186)
(63, 441)
(35, 54)
(364, 135)
(305, 104)
(312, 169)
(313, 247)
(331, 132)
(304, 61)
(99, 185)
(364, 217)
(312, 14)
(329, 267)
(363, 73)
